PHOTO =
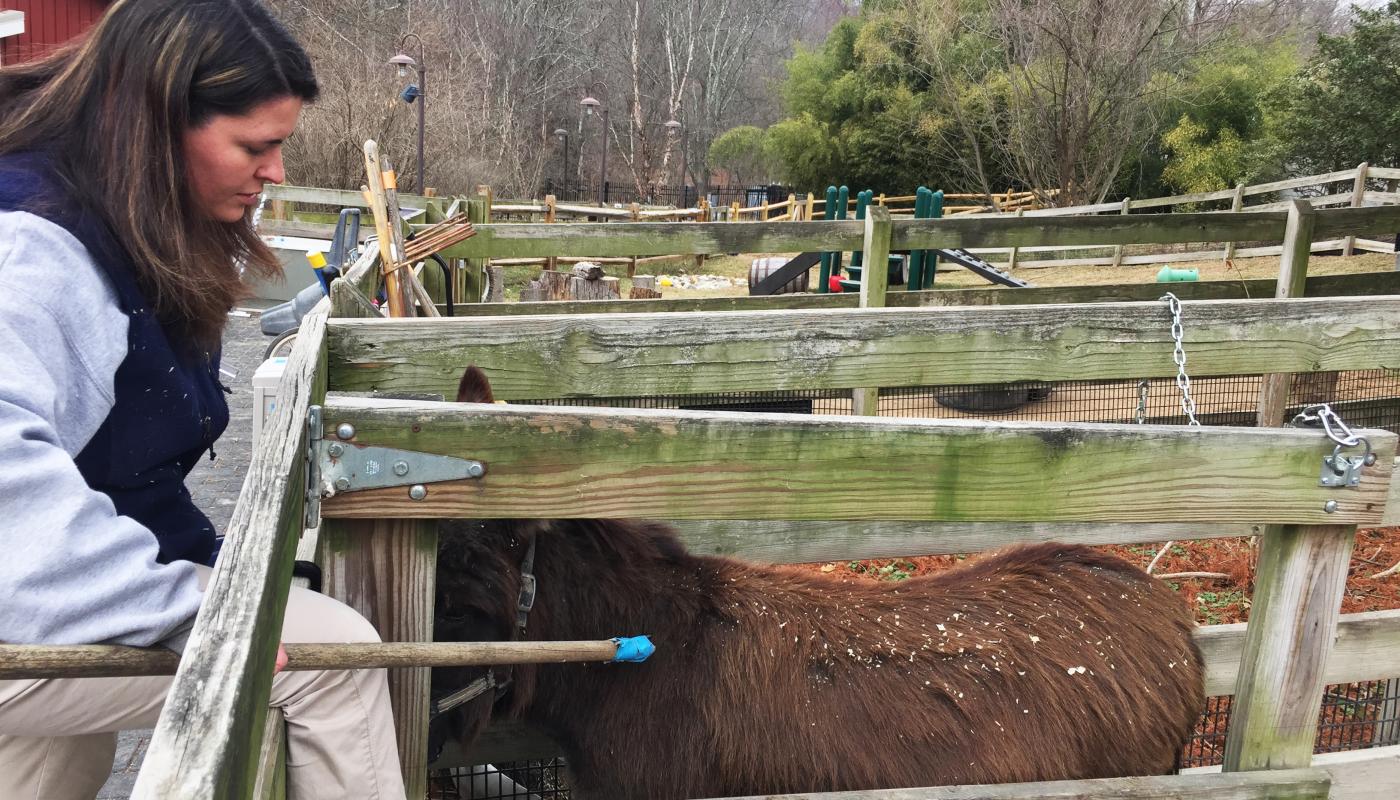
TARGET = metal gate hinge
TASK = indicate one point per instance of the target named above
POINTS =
(313, 475)
(337, 466)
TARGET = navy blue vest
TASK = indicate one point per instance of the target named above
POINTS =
(170, 406)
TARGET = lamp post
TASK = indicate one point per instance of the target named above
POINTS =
(564, 134)
(675, 127)
(589, 103)
(413, 92)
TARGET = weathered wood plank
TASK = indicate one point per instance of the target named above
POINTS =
(1301, 573)
(344, 198)
(659, 354)
(1369, 221)
(1392, 506)
(544, 462)
(1366, 648)
(652, 239)
(1367, 283)
(789, 542)
(1356, 774)
(272, 759)
(386, 570)
(600, 239)
(206, 741)
(1299, 784)
(363, 275)
(874, 289)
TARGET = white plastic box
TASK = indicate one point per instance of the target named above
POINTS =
(265, 381)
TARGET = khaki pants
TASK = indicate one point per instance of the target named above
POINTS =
(58, 737)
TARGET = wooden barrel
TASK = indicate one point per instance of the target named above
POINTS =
(761, 268)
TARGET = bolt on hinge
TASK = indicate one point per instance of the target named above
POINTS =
(343, 466)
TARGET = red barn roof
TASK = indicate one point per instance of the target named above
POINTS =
(46, 23)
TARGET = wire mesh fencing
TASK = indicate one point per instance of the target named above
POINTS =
(1364, 398)
(1354, 716)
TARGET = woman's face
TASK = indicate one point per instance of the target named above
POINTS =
(230, 157)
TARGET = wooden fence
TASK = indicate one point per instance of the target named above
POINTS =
(1031, 256)
(1117, 483)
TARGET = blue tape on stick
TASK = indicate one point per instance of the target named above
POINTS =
(633, 648)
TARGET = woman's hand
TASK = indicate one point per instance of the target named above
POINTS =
(281, 662)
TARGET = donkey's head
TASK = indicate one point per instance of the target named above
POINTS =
(481, 564)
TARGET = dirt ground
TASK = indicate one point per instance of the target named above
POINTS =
(1216, 600)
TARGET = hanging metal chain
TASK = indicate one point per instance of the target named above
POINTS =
(1143, 386)
(1183, 381)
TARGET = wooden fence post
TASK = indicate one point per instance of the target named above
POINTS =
(1293, 619)
(473, 270)
(1358, 195)
(1301, 574)
(550, 201)
(1118, 249)
(1015, 251)
(734, 211)
(386, 569)
(874, 282)
(1236, 204)
(811, 203)
(1292, 276)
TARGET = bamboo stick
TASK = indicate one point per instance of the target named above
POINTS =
(31, 662)
(400, 302)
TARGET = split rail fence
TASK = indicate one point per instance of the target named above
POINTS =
(1351, 188)
(846, 496)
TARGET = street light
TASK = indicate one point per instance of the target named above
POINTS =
(590, 103)
(564, 134)
(415, 92)
(674, 126)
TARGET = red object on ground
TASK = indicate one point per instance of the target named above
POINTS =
(834, 284)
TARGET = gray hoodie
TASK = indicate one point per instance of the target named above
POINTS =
(72, 571)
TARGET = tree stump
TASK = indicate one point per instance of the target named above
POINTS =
(555, 284)
(496, 292)
(601, 289)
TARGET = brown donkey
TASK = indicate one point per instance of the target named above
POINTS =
(1038, 663)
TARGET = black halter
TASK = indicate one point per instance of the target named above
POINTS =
(525, 602)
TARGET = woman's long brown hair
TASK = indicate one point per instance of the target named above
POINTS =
(111, 110)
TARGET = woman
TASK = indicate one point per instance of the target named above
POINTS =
(129, 164)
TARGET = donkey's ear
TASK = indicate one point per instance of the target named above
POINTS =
(474, 387)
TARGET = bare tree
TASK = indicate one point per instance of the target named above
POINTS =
(504, 74)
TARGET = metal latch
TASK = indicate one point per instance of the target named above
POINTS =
(336, 466)
(1338, 469)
